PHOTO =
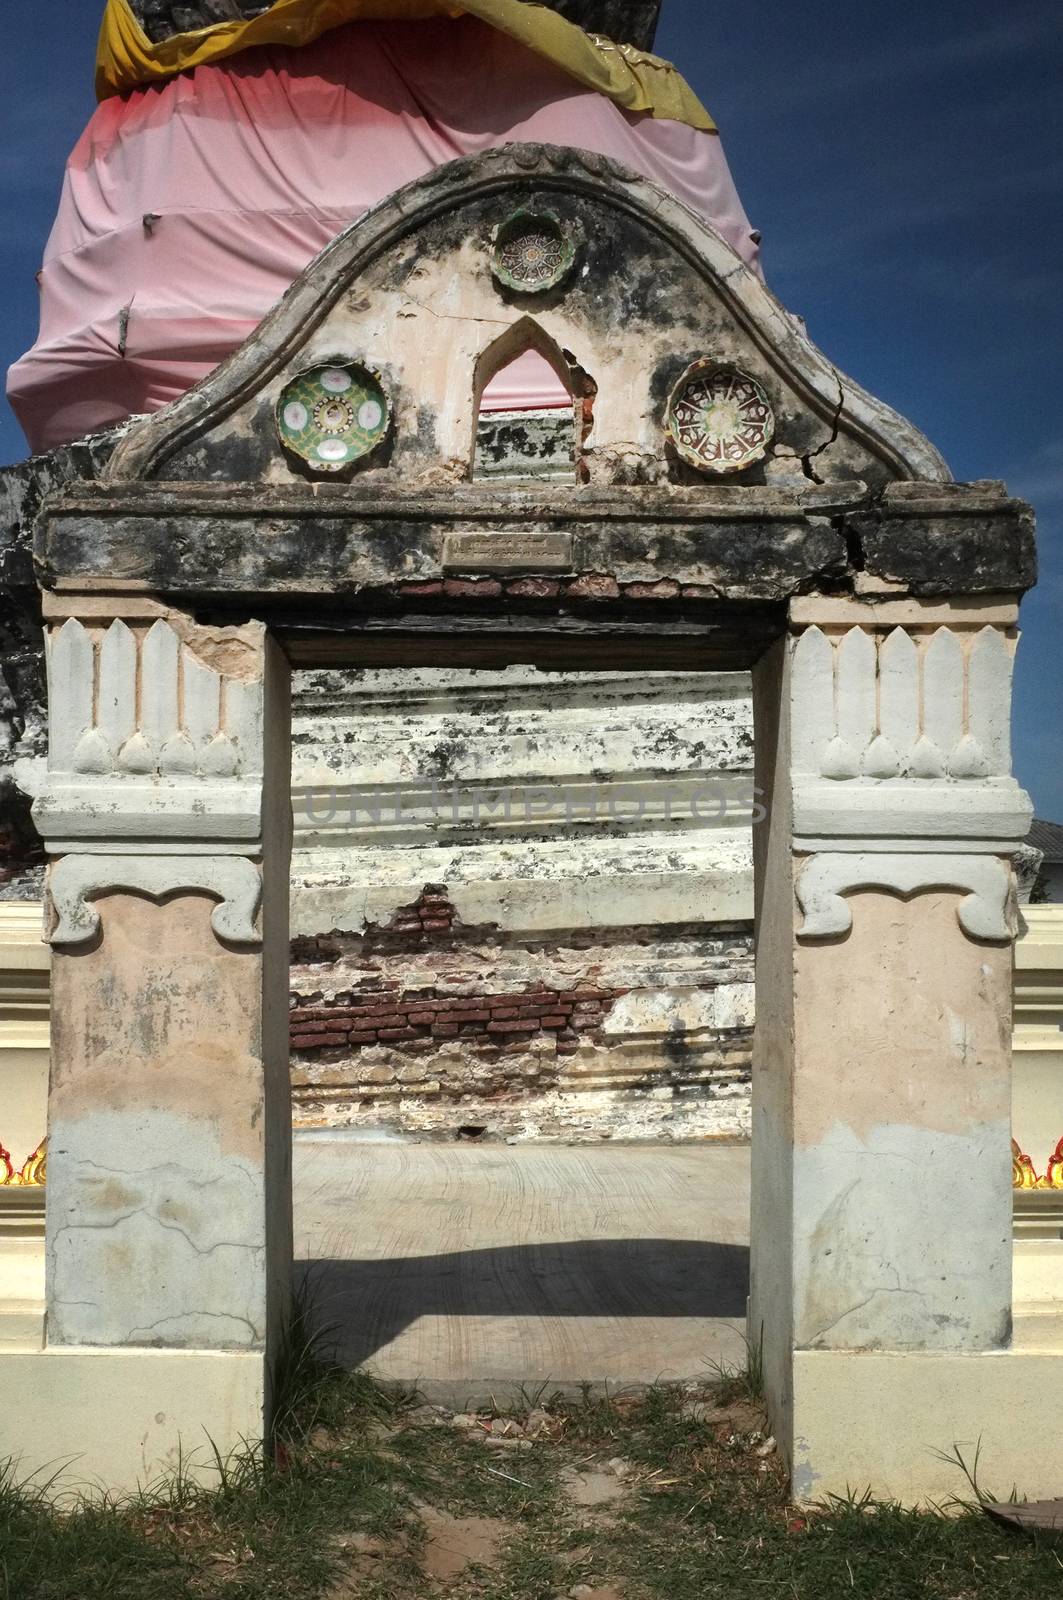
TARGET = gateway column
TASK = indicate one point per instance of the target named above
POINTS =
(882, 1077)
(166, 815)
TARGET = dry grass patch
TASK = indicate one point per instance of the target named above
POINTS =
(676, 1494)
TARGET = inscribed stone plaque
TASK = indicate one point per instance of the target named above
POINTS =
(508, 552)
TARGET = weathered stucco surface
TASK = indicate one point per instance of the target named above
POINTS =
(922, 1136)
(383, 290)
(169, 1214)
(643, 1036)
(522, 902)
(157, 1201)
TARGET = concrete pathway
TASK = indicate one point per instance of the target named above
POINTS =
(472, 1270)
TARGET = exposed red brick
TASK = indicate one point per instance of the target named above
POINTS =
(472, 588)
(663, 589)
(534, 588)
(418, 1020)
(317, 1013)
(422, 590)
(699, 591)
(436, 925)
(594, 586)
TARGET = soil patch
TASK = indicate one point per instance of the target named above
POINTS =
(453, 1544)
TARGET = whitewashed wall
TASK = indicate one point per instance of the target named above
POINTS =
(622, 865)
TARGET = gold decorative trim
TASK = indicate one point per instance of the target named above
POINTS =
(1024, 1173)
(31, 1175)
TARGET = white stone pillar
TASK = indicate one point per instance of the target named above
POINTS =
(882, 1070)
(167, 818)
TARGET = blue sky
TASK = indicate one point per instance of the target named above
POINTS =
(904, 162)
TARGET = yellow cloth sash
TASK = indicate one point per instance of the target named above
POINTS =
(635, 80)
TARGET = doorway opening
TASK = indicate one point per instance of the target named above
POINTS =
(531, 891)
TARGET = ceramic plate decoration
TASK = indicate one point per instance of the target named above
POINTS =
(719, 419)
(532, 252)
(332, 416)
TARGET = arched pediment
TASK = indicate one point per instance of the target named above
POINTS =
(413, 294)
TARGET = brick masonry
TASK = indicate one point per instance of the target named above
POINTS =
(381, 1011)
(424, 1027)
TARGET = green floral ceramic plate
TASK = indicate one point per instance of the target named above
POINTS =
(333, 415)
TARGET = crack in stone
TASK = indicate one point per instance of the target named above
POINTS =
(452, 316)
(192, 1316)
(184, 1174)
(169, 1227)
(852, 1310)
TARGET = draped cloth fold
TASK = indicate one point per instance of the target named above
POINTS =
(632, 78)
(190, 206)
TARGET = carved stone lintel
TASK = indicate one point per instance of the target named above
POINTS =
(233, 880)
(986, 913)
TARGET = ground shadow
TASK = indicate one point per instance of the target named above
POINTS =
(364, 1305)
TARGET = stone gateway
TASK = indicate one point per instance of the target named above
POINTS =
(735, 506)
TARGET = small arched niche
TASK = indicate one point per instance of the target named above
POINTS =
(529, 410)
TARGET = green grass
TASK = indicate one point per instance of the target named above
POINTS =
(702, 1516)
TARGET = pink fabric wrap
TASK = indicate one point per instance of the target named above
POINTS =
(527, 383)
(188, 209)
